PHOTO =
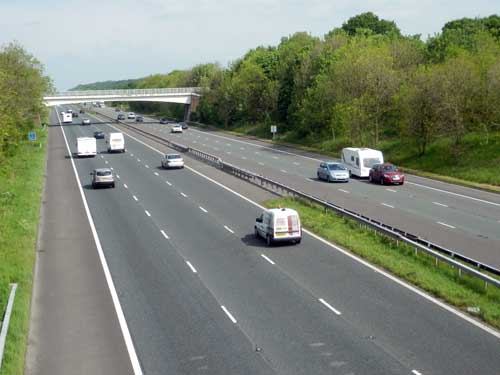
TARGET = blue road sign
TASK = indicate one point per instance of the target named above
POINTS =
(32, 136)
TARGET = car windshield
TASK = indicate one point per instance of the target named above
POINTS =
(389, 168)
(103, 173)
(173, 156)
(336, 167)
(369, 162)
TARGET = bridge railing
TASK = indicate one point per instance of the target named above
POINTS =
(129, 92)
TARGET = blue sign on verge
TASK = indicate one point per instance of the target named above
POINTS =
(32, 136)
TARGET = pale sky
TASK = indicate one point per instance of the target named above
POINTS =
(83, 41)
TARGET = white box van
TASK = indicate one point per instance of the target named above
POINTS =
(86, 146)
(360, 160)
(67, 117)
(279, 224)
(116, 142)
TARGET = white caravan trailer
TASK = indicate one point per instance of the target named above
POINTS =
(360, 160)
(67, 117)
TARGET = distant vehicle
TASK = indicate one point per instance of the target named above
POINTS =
(69, 110)
(102, 177)
(176, 128)
(386, 173)
(131, 115)
(85, 121)
(82, 111)
(331, 171)
(101, 104)
(75, 114)
(86, 146)
(164, 121)
(121, 116)
(183, 125)
(117, 109)
(67, 117)
(99, 135)
(116, 142)
(359, 160)
(279, 224)
(172, 161)
(139, 119)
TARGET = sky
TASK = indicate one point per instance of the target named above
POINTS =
(84, 41)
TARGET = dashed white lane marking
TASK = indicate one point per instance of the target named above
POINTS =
(275, 157)
(203, 144)
(201, 208)
(440, 204)
(257, 153)
(118, 176)
(228, 314)
(330, 307)
(216, 141)
(157, 174)
(216, 149)
(191, 266)
(342, 190)
(125, 186)
(261, 163)
(147, 213)
(228, 229)
(164, 234)
(135, 198)
(195, 142)
(387, 205)
(147, 166)
(102, 157)
(416, 372)
(446, 225)
(132, 155)
(295, 163)
(391, 190)
(168, 183)
(244, 158)
(283, 171)
(111, 168)
(138, 160)
(313, 180)
(184, 195)
(266, 258)
(228, 152)
(105, 162)
(242, 148)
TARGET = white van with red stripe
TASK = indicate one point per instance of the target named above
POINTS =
(279, 224)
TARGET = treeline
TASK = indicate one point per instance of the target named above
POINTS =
(22, 86)
(107, 85)
(358, 85)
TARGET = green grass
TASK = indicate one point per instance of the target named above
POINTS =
(21, 181)
(421, 270)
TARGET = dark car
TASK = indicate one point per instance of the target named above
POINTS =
(75, 114)
(117, 109)
(121, 116)
(183, 125)
(386, 173)
(99, 135)
(164, 121)
(82, 111)
(139, 119)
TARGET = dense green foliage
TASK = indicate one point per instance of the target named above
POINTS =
(22, 86)
(108, 85)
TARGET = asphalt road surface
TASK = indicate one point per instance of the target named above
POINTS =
(201, 294)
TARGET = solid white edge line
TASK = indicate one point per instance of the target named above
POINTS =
(446, 225)
(191, 266)
(228, 314)
(201, 208)
(266, 258)
(393, 278)
(228, 229)
(147, 213)
(107, 274)
(416, 372)
(164, 234)
(342, 190)
(387, 205)
(440, 204)
(328, 306)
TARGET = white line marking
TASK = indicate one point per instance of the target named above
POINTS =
(168, 183)
(242, 148)
(275, 157)
(147, 213)
(228, 314)
(342, 190)
(391, 190)
(191, 266)
(102, 157)
(105, 162)
(446, 225)
(387, 205)
(440, 204)
(139, 160)
(164, 234)
(201, 208)
(228, 152)
(147, 166)
(257, 153)
(107, 274)
(135, 198)
(260, 163)
(118, 176)
(228, 144)
(416, 372)
(455, 194)
(184, 195)
(125, 186)
(228, 229)
(283, 171)
(266, 258)
(216, 149)
(330, 307)
(295, 163)
(131, 155)
(244, 158)
(380, 271)
(111, 168)
(156, 174)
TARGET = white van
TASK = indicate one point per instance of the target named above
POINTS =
(67, 117)
(360, 160)
(116, 142)
(86, 146)
(279, 224)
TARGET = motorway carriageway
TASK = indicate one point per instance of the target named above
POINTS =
(201, 295)
(461, 219)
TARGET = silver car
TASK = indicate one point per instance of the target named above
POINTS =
(172, 161)
(332, 171)
(102, 177)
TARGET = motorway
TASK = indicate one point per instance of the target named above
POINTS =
(201, 295)
(461, 219)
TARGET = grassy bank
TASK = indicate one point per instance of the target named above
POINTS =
(21, 179)
(419, 269)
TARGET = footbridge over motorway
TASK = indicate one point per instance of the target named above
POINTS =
(189, 96)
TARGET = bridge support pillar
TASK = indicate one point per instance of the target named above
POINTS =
(187, 112)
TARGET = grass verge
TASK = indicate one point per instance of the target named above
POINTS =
(442, 280)
(21, 182)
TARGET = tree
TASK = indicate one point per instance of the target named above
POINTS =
(370, 21)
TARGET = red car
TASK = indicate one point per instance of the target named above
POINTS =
(386, 173)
